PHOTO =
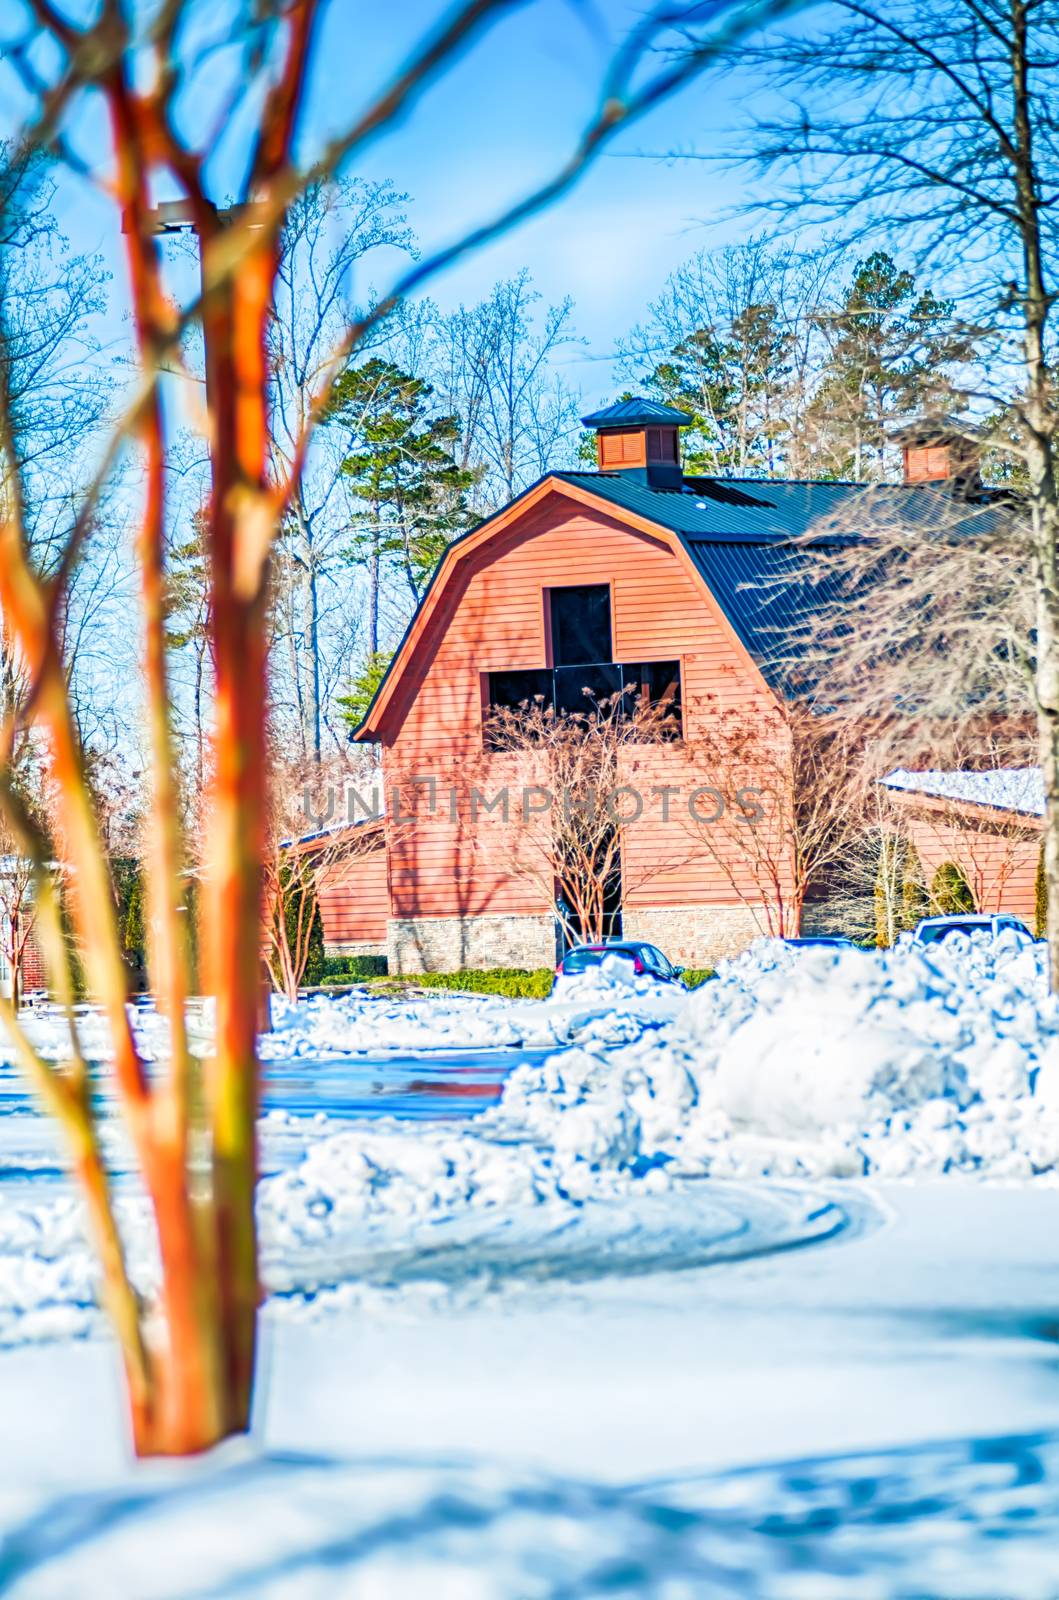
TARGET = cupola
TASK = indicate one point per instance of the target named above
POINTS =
(640, 439)
(941, 450)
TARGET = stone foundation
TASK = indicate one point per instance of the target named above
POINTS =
(694, 936)
(354, 947)
(451, 944)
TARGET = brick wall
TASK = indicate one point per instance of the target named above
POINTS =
(450, 944)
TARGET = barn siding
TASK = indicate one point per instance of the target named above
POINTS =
(494, 619)
(999, 863)
(355, 903)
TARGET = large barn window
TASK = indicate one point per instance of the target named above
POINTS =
(580, 619)
(575, 689)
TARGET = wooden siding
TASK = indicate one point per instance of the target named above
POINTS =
(492, 618)
(354, 898)
(998, 858)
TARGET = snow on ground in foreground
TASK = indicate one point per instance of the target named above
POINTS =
(808, 1064)
(974, 1521)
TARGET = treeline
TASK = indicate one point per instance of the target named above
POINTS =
(791, 363)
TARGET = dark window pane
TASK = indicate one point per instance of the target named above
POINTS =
(579, 688)
(512, 689)
(580, 619)
(658, 684)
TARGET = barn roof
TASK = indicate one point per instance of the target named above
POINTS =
(1019, 789)
(761, 546)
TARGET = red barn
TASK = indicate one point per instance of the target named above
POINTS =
(585, 581)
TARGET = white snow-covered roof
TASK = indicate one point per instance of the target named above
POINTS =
(1018, 789)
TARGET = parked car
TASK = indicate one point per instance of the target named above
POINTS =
(933, 929)
(825, 941)
(647, 960)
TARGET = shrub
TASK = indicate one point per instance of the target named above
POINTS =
(128, 887)
(693, 976)
(950, 892)
(351, 969)
(516, 983)
(1041, 898)
(915, 901)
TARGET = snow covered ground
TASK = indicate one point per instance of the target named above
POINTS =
(629, 1332)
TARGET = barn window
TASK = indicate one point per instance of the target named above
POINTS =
(580, 619)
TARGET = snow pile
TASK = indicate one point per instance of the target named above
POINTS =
(804, 1064)
(609, 1002)
(801, 1064)
(819, 1062)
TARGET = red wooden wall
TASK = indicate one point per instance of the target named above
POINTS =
(999, 861)
(354, 900)
(495, 620)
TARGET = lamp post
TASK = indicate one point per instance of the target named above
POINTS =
(175, 217)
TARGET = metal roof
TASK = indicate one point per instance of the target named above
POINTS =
(628, 413)
(750, 538)
(770, 593)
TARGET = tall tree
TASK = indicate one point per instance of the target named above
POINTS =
(409, 493)
(893, 352)
(493, 366)
(933, 122)
(331, 231)
(730, 340)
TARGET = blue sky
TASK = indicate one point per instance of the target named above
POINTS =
(500, 119)
(504, 117)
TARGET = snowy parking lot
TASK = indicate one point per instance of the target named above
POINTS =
(750, 1290)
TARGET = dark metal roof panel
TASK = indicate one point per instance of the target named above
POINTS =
(769, 593)
(628, 413)
(773, 509)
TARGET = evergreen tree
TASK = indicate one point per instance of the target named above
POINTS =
(729, 382)
(403, 472)
(363, 686)
(1040, 897)
(950, 893)
(893, 354)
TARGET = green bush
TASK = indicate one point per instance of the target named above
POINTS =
(693, 976)
(128, 886)
(1041, 897)
(351, 969)
(950, 893)
(517, 983)
(915, 901)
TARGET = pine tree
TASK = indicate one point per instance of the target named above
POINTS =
(728, 382)
(893, 354)
(363, 686)
(404, 474)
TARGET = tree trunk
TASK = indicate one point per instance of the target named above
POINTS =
(313, 706)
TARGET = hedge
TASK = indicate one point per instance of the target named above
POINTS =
(516, 983)
(351, 969)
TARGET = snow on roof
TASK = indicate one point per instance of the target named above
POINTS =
(1005, 788)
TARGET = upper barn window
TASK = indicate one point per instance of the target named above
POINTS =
(580, 624)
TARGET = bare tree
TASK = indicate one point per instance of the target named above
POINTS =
(783, 807)
(934, 123)
(189, 1351)
(493, 366)
(583, 769)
